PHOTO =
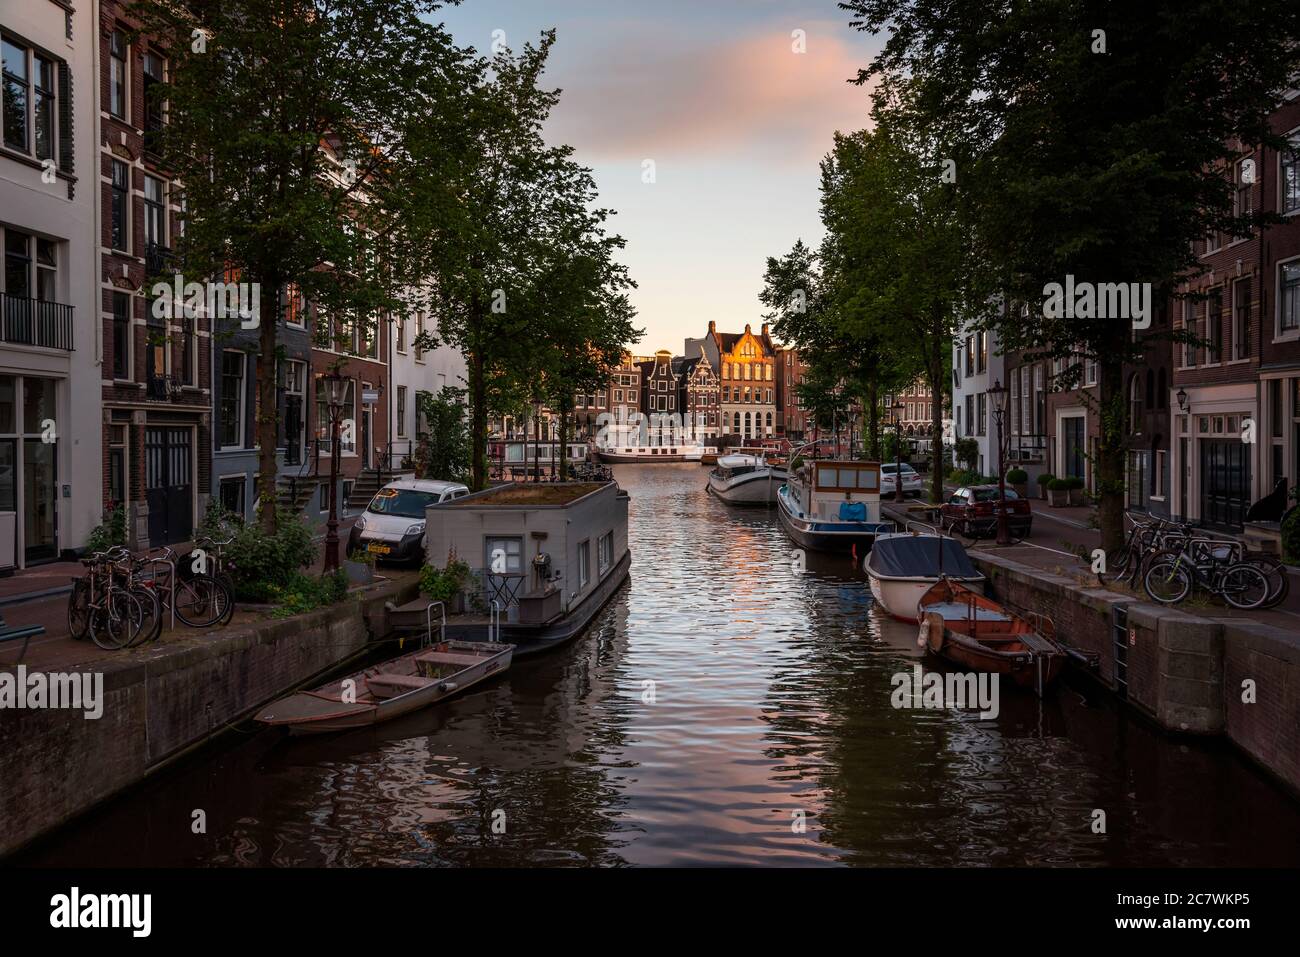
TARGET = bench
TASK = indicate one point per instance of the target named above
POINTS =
(25, 632)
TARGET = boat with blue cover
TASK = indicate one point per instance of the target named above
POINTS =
(833, 505)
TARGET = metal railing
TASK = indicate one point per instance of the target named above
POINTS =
(35, 322)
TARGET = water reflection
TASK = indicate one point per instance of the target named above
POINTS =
(771, 703)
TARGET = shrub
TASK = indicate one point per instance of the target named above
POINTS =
(1058, 485)
(1046, 479)
(967, 452)
(257, 561)
(110, 532)
(303, 593)
(443, 584)
(1018, 477)
(1291, 534)
(797, 463)
(1074, 483)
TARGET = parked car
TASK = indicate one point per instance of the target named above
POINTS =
(392, 526)
(972, 510)
(912, 483)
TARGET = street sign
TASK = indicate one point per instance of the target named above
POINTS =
(369, 396)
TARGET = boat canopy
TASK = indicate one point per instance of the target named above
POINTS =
(917, 556)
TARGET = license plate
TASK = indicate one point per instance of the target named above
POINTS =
(375, 548)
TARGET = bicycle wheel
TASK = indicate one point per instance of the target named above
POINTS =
(151, 608)
(1117, 568)
(79, 611)
(116, 622)
(1279, 582)
(1167, 582)
(229, 584)
(1244, 586)
(202, 601)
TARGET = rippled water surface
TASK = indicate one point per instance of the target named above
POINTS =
(771, 705)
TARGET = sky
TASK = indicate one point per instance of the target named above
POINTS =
(733, 119)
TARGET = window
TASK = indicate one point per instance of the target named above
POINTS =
(970, 355)
(154, 106)
(1289, 177)
(121, 335)
(401, 410)
(18, 264)
(347, 429)
(117, 53)
(400, 322)
(604, 553)
(1189, 324)
(120, 204)
(231, 493)
(1158, 474)
(419, 332)
(982, 351)
(1241, 319)
(982, 414)
(295, 306)
(1289, 296)
(189, 349)
(1242, 204)
(1214, 326)
(155, 212)
(584, 564)
(16, 94)
(117, 464)
(503, 555)
(231, 427)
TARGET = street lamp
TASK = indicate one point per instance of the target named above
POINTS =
(998, 394)
(335, 385)
(898, 408)
(1182, 400)
(537, 439)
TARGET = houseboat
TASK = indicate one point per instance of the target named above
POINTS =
(543, 559)
(745, 480)
(685, 451)
(833, 505)
(523, 454)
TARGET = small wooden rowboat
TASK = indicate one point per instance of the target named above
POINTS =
(971, 631)
(390, 689)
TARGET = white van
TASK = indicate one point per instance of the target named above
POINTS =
(392, 526)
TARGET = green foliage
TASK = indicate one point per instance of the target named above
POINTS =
(443, 584)
(443, 449)
(1059, 485)
(1074, 483)
(110, 532)
(1018, 477)
(301, 593)
(892, 449)
(1291, 535)
(258, 561)
(1046, 479)
(967, 452)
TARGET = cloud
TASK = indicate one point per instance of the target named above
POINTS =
(655, 94)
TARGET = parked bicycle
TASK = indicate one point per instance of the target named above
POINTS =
(1207, 564)
(104, 607)
(199, 599)
(214, 564)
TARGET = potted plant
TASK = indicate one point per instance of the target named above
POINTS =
(446, 584)
(360, 567)
(1044, 481)
(1058, 492)
(1077, 494)
(1018, 479)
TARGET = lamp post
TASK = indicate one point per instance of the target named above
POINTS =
(537, 439)
(335, 384)
(999, 394)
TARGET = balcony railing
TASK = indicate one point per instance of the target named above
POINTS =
(163, 387)
(34, 322)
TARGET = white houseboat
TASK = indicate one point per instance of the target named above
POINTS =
(833, 505)
(745, 480)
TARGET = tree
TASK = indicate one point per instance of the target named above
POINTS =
(287, 127)
(443, 448)
(1089, 140)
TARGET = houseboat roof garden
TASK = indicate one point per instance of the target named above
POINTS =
(542, 493)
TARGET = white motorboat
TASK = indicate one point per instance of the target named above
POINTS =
(745, 480)
(833, 505)
(902, 567)
(626, 454)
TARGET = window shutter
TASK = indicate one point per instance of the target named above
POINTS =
(66, 154)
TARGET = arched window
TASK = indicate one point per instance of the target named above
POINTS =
(769, 422)
(736, 422)
(1135, 403)
(749, 425)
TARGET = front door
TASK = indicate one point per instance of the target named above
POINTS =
(365, 432)
(1225, 481)
(169, 483)
(1073, 447)
(293, 430)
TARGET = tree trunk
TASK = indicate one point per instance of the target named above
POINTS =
(1111, 448)
(478, 420)
(873, 417)
(268, 418)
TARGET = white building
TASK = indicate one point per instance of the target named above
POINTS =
(411, 371)
(977, 364)
(51, 468)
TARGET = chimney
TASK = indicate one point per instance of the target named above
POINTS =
(765, 334)
(747, 329)
(713, 327)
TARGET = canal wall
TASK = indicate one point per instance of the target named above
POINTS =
(162, 701)
(1190, 674)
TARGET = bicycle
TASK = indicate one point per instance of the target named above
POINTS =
(1209, 564)
(101, 608)
(198, 599)
(1130, 563)
(214, 565)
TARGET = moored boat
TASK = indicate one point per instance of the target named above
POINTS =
(745, 480)
(833, 505)
(902, 566)
(641, 454)
(390, 689)
(972, 631)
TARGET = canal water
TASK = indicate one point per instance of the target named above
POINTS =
(726, 709)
